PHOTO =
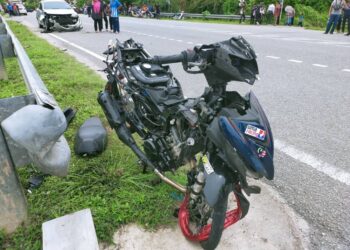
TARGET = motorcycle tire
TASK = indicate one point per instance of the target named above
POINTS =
(217, 225)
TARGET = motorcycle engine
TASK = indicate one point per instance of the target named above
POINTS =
(184, 143)
(178, 148)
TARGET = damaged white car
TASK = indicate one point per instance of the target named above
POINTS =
(57, 15)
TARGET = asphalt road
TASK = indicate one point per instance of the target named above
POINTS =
(304, 88)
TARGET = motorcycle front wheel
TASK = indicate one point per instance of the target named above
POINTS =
(209, 234)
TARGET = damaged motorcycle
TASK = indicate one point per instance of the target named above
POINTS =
(223, 136)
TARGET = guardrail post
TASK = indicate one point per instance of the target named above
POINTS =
(6, 46)
(3, 74)
(3, 28)
(6, 51)
(13, 206)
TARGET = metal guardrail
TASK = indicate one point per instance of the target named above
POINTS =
(31, 77)
(31, 131)
(210, 16)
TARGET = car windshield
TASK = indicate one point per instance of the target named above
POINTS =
(56, 5)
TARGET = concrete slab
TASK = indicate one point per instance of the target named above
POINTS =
(71, 232)
(270, 224)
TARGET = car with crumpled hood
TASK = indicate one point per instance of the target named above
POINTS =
(57, 15)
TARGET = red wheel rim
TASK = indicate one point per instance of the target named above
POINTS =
(232, 217)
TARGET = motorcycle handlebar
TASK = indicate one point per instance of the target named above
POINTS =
(184, 57)
(167, 59)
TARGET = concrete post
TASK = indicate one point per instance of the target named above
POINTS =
(13, 207)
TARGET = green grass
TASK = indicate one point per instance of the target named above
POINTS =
(14, 85)
(111, 184)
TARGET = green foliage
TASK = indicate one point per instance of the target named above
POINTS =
(230, 6)
(111, 185)
(32, 4)
(2, 238)
(205, 14)
(312, 17)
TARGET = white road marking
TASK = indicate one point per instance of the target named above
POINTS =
(189, 42)
(273, 57)
(320, 65)
(321, 166)
(79, 47)
(180, 41)
(171, 39)
(295, 61)
(346, 70)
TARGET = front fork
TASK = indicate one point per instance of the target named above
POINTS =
(213, 185)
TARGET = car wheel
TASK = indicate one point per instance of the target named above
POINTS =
(47, 25)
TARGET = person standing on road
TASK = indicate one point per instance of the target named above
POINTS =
(334, 15)
(108, 14)
(96, 14)
(301, 20)
(270, 13)
(9, 9)
(242, 5)
(157, 13)
(277, 13)
(342, 21)
(105, 16)
(347, 16)
(115, 5)
(88, 10)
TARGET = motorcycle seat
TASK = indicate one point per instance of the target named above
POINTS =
(155, 80)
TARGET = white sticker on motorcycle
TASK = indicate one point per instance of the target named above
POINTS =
(255, 132)
(207, 166)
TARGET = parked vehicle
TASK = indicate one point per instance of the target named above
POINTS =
(57, 15)
(223, 136)
(21, 9)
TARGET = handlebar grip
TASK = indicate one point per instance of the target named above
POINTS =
(168, 59)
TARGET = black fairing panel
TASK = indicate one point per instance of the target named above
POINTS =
(234, 60)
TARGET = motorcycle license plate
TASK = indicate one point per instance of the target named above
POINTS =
(255, 132)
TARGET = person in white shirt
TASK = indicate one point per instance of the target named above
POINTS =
(242, 5)
(269, 13)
